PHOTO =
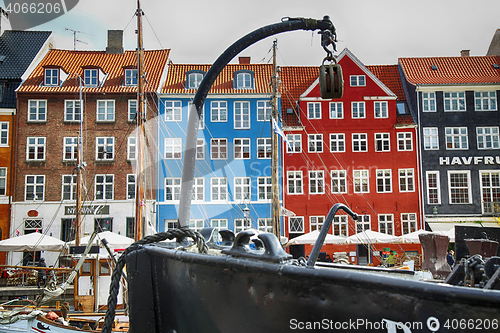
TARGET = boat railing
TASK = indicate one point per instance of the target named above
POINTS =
(27, 275)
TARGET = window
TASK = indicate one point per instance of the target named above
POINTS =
(433, 188)
(104, 187)
(360, 180)
(265, 225)
(200, 149)
(386, 224)
(406, 180)
(173, 148)
(130, 231)
(358, 110)
(429, 102)
(487, 138)
(359, 142)
(172, 189)
(218, 111)
(3, 181)
(69, 187)
(72, 110)
(35, 149)
(357, 80)
(131, 77)
(337, 142)
(264, 111)
(70, 148)
(313, 110)
(316, 222)
(315, 143)
(219, 188)
(4, 133)
(241, 115)
(381, 109)
(67, 230)
(173, 110)
(294, 179)
(105, 148)
(460, 187)
(91, 77)
(384, 183)
(241, 225)
(103, 224)
(264, 148)
(296, 224)
(295, 143)
(405, 141)
(336, 110)
(33, 225)
(131, 186)
(363, 223)
(106, 110)
(34, 187)
(454, 101)
(264, 188)
(456, 138)
(490, 191)
(131, 148)
(196, 225)
(382, 142)
(51, 77)
(218, 148)
(316, 182)
(241, 148)
(244, 80)
(340, 225)
(194, 80)
(132, 109)
(198, 189)
(485, 100)
(408, 222)
(339, 181)
(37, 110)
(431, 141)
(242, 188)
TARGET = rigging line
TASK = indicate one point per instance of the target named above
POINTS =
(154, 32)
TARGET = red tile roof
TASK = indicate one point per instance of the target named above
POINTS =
(176, 79)
(73, 62)
(451, 70)
(405, 119)
(389, 75)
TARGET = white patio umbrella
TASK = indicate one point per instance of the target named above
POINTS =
(412, 237)
(115, 241)
(370, 237)
(34, 241)
(311, 237)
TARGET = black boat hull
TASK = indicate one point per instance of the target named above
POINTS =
(177, 291)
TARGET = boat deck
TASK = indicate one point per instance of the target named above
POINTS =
(29, 292)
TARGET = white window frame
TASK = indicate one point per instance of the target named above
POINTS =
(198, 194)
(363, 223)
(337, 142)
(358, 110)
(296, 224)
(194, 80)
(265, 224)
(429, 102)
(105, 110)
(339, 181)
(172, 189)
(264, 111)
(104, 146)
(173, 110)
(431, 138)
(384, 180)
(242, 189)
(218, 224)
(37, 145)
(51, 77)
(295, 182)
(131, 77)
(131, 148)
(490, 191)
(336, 110)
(436, 189)
(4, 133)
(218, 148)
(218, 111)
(132, 109)
(405, 141)
(241, 148)
(406, 180)
(340, 225)
(218, 189)
(357, 80)
(359, 142)
(3, 181)
(361, 180)
(456, 138)
(382, 142)
(316, 222)
(242, 225)
(70, 147)
(37, 110)
(241, 115)
(487, 137)
(107, 182)
(468, 187)
(264, 148)
(200, 149)
(454, 101)
(244, 80)
(264, 187)
(131, 186)
(173, 148)
(314, 110)
(386, 224)
(34, 184)
(72, 110)
(408, 222)
(316, 182)
(91, 77)
(295, 143)
(485, 101)
(381, 109)
(68, 187)
(315, 143)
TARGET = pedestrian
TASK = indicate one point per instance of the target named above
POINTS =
(42, 273)
(450, 259)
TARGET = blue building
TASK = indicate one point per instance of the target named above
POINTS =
(233, 167)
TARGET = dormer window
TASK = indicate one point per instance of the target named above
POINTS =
(51, 77)
(243, 80)
(194, 79)
(93, 76)
(131, 77)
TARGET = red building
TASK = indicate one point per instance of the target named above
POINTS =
(359, 150)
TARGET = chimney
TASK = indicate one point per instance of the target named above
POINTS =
(465, 53)
(244, 60)
(115, 42)
(494, 49)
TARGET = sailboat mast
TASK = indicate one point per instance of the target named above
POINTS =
(275, 150)
(79, 168)
(140, 201)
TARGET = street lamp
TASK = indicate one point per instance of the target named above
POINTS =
(246, 214)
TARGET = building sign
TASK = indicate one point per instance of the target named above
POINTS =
(475, 160)
(88, 210)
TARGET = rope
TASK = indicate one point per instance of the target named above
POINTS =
(115, 279)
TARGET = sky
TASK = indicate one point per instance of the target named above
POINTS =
(197, 31)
